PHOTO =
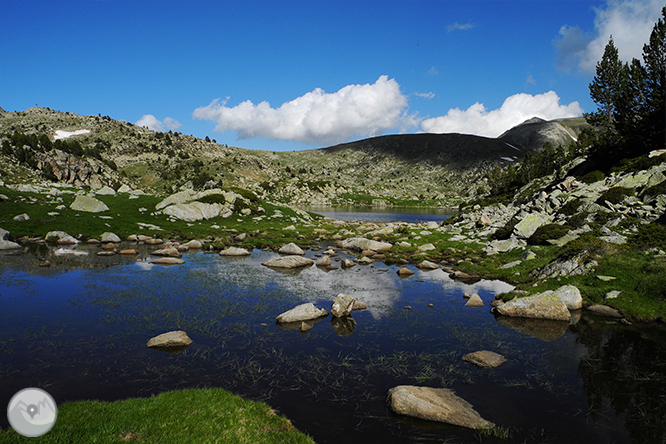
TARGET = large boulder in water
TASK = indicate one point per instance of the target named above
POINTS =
(303, 312)
(5, 243)
(435, 404)
(289, 262)
(540, 306)
(291, 248)
(170, 339)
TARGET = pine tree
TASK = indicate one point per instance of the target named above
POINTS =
(654, 87)
(607, 87)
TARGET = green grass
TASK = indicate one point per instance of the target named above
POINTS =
(180, 417)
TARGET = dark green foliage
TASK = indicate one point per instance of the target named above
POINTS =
(631, 99)
(213, 198)
(505, 232)
(615, 195)
(247, 194)
(570, 208)
(655, 190)
(649, 236)
(546, 232)
(578, 220)
(592, 176)
(587, 244)
(200, 179)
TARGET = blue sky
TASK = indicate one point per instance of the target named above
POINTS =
(284, 75)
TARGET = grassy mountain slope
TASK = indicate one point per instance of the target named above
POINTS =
(435, 169)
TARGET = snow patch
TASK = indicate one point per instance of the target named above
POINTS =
(515, 148)
(60, 134)
(508, 159)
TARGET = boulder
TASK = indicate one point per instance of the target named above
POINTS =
(109, 237)
(540, 306)
(347, 263)
(485, 359)
(342, 305)
(361, 243)
(289, 262)
(105, 191)
(324, 262)
(427, 265)
(529, 224)
(291, 248)
(167, 252)
(194, 245)
(570, 295)
(427, 247)
(22, 217)
(364, 260)
(303, 312)
(605, 310)
(194, 211)
(435, 404)
(234, 251)
(88, 204)
(483, 221)
(168, 261)
(503, 246)
(61, 238)
(170, 339)
(5, 243)
(128, 252)
(474, 301)
(404, 272)
(358, 305)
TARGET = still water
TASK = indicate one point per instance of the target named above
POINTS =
(80, 332)
(391, 214)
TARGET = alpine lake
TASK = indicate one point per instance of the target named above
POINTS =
(79, 328)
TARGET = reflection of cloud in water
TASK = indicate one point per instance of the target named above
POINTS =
(442, 278)
(375, 288)
(144, 264)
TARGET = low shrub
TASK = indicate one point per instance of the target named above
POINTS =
(546, 232)
(649, 236)
(577, 220)
(505, 232)
(570, 208)
(592, 176)
(587, 245)
(615, 195)
(655, 190)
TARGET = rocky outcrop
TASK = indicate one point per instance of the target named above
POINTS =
(435, 404)
(194, 211)
(300, 313)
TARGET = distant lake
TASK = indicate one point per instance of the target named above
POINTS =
(79, 330)
(389, 214)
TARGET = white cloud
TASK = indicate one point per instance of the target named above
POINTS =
(172, 124)
(316, 117)
(428, 95)
(432, 71)
(630, 22)
(151, 122)
(459, 27)
(515, 110)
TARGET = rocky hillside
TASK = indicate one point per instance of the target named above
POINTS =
(40, 144)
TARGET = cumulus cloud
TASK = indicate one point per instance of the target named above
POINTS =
(153, 123)
(316, 117)
(630, 22)
(459, 27)
(516, 109)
